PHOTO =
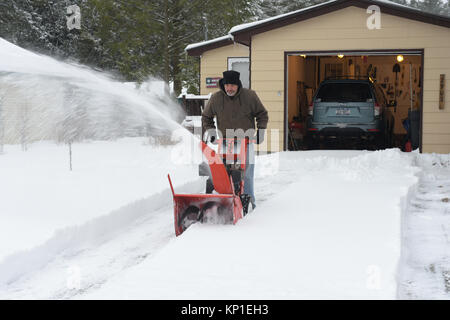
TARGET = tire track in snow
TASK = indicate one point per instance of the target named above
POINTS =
(424, 271)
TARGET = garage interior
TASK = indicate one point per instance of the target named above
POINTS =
(399, 74)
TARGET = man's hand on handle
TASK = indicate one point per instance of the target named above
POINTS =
(210, 136)
(259, 136)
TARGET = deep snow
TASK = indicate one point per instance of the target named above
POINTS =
(328, 225)
(425, 258)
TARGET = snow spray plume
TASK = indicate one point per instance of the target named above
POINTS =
(46, 99)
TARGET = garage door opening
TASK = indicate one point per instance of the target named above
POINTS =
(397, 81)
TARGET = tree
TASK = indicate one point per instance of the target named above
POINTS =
(131, 38)
(135, 39)
(270, 8)
(435, 6)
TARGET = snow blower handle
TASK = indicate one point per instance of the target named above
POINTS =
(210, 136)
(259, 136)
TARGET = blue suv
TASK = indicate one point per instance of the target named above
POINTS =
(350, 107)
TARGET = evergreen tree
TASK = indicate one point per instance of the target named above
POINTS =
(136, 39)
(270, 8)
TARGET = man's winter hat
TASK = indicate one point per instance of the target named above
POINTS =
(231, 77)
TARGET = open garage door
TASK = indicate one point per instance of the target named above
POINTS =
(396, 77)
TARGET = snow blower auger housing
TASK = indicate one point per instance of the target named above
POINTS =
(230, 203)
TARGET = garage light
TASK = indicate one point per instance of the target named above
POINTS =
(400, 58)
(340, 56)
(303, 55)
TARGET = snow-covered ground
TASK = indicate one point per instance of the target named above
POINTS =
(426, 232)
(329, 224)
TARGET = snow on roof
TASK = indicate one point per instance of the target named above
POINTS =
(256, 23)
(204, 43)
(229, 36)
(248, 25)
(396, 4)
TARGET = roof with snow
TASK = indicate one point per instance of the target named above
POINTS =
(243, 33)
(198, 48)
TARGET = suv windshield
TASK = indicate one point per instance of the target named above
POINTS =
(342, 92)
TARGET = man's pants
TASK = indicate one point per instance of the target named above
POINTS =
(250, 173)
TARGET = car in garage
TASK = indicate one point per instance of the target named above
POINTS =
(350, 107)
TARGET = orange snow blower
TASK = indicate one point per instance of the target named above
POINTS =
(229, 203)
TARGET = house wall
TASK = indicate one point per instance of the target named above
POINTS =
(214, 62)
(346, 29)
(296, 73)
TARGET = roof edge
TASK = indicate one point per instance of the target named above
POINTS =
(197, 49)
(243, 34)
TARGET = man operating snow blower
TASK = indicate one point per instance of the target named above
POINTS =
(231, 167)
(236, 109)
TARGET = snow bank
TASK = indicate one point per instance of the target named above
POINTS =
(73, 240)
(41, 195)
(424, 271)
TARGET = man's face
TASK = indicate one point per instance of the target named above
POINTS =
(231, 89)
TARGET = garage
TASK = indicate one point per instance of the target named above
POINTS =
(398, 75)
(406, 55)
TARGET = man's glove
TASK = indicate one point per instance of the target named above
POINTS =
(259, 137)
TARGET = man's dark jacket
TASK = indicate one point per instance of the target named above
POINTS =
(236, 112)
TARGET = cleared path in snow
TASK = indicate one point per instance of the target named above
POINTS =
(329, 228)
(327, 225)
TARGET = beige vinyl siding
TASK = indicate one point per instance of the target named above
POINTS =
(214, 62)
(346, 29)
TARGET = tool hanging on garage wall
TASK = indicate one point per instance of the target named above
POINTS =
(393, 77)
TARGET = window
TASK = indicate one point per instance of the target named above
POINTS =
(344, 92)
(241, 65)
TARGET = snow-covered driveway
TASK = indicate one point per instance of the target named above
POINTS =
(327, 225)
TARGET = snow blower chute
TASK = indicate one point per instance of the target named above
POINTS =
(229, 203)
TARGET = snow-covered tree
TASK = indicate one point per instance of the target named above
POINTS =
(138, 38)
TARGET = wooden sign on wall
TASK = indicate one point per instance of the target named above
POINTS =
(442, 92)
